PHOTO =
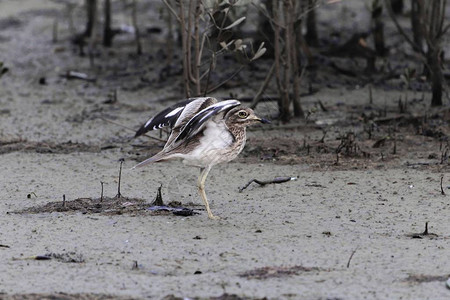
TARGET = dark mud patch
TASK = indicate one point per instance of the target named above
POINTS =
(10, 22)
(65, 257)
(341, 154)
(221, 297)
(8, 146)
(277, 272)
(350, 152)
(110, 206)
(358, 143)
(64, 296)
(424, 234)
(421, 278)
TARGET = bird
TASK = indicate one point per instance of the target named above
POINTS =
(204, 133)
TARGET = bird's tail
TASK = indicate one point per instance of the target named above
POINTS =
(156, 158)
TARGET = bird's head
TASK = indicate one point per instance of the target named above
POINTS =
(244, 117)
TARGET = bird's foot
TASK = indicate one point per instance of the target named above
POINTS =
(213, 217)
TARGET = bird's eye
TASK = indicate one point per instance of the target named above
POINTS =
(242, 114)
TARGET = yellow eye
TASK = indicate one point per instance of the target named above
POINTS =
(242, 114)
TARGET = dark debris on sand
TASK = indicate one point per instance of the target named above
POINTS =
(8, 146)
(421, 278)
(221, 297)
(109, 206)
(273, 272)
(64, 296)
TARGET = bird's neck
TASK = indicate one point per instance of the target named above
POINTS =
(238, 132)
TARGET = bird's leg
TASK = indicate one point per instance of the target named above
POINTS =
(201, 188)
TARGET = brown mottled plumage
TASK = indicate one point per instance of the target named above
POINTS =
(205, 132)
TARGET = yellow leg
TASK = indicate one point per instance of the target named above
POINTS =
(201, 188)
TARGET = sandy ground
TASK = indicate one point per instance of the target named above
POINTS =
(330, 234)
(316, 221)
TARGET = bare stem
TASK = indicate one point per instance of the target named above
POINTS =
(184, 45)
(172, 10)
(119, 195)
(225, 81)
(263, 87)
(101, 195)
(197, 58)
(189, 41)
(351, 256)
(136, 29)
(400, 29)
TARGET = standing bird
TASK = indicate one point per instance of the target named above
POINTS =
(204, 132)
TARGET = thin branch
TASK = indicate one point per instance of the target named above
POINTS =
(211, 66)
(272, 20)
(351, 256)
(137, 34)
(185, 38)
(172, 10)
(296, 75)
(197, 57)
(276, 42)
(264, 182)
(213, 55)
(189, 41)
(225, 81)
(400, 29)
(263, 87)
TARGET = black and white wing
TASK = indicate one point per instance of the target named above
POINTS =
(176, 116)
(197, 122)
(167, 117)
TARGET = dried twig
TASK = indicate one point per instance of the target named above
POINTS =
(442, 189)
(351, 256)
(101, 195)
(119, 195)
(423, 234)
(77, 75)
(426, 229)
(264, 182)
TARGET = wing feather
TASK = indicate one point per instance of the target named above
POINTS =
(197, 122)
(173, 115)
(165, 118)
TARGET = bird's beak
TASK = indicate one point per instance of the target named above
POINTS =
(264, 121)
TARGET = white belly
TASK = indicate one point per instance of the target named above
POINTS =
(215, 147)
